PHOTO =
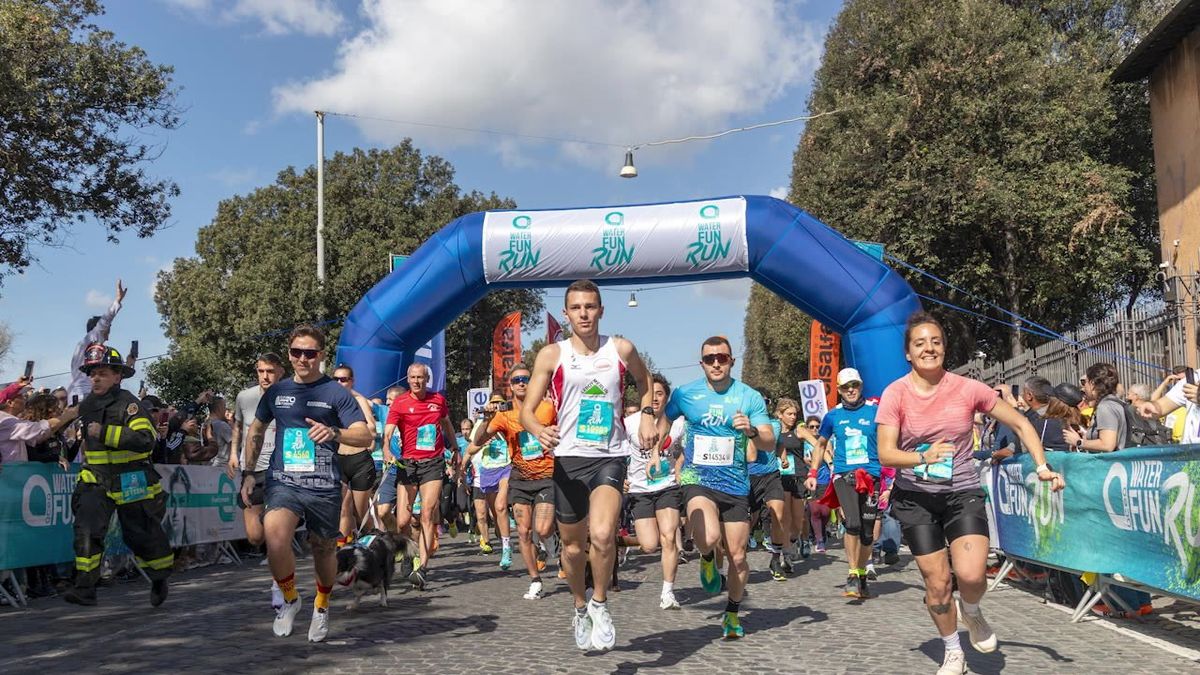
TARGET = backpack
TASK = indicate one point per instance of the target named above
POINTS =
(1141, 431)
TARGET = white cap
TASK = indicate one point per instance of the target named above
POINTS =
(848, 375)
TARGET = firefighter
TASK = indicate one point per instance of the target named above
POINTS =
(117, 475)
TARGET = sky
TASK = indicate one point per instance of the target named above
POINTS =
(251, 72)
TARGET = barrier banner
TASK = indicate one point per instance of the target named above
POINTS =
(824, 357)
(652, 240)
(506, 350)
(36, 519)
(1135, 512)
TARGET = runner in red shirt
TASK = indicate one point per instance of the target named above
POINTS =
(423, 419)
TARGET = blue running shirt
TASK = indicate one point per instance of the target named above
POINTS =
(715, 454)
(854, 432)
(297, 460)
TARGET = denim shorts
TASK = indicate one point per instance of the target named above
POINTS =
(319, 510)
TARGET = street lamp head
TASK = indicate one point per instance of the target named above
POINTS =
(629, 170)
(633, 300)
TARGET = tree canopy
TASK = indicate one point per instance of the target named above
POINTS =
(73, 104)
(254, 273)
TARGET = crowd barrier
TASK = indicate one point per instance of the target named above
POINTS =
(1130, 518)
(36, 518)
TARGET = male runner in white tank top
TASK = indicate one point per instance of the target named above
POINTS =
(584, 378)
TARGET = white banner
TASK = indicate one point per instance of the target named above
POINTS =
(812, 399)
(630, 241)
(476, 399)
(201, 505)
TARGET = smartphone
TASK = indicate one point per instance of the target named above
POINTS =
(504, 406)
(1189, 375)
(1016, 390)
(28, 369)
(133, 350)
(74, 400)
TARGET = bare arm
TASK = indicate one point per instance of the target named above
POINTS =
(539, 381)
(648, 429)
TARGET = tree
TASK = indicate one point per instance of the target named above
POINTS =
(72, 101)
(982, 141)
(181, 376)
(254, 273)
(776, 339)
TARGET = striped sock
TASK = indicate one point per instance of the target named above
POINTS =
(288, 586)
(323, 596)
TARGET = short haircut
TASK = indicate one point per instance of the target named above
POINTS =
(812, 418)
(342, 366)
(660, 379)
(1103, 378)
(418, 364)
(395, 389)
(519, 366)
(717, 341)
(91, 323)
(582, 286)
(269, 357)
(308, 331)
(920, 318)
(1142, 391)
(1039, 388)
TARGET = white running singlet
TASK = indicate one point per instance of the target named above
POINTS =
(588, 392)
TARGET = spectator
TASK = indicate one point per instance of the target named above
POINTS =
(1108, 430)
(1181, 396)
(16, 433)
(1176, 419)
(51, 448)
(1037, 394)
(98, 328)
(14, 390)
(1136, 393)
(217, 431)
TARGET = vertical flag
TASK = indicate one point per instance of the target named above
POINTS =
(554, 331)
(824, 353)
(506, 349)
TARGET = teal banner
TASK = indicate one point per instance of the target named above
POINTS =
(1135, 512)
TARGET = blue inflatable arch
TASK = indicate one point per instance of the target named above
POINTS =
(781, 247)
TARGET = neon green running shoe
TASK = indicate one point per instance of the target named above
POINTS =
(731, 627)
(710, 577)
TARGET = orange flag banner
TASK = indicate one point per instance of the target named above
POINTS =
(506, 350)
(824, 355)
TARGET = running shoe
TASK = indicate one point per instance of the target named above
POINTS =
(689, 544)
(820, 547)
(535, 590)
(604, 634)
(710, 577)
(453, 530)
(485, 547)
(851, 590)
(417, 579)
(406, 566)
(770, 548)
(806, 548)
(891, 557)
(506, 558)
(542, 555)
(319, 627)
(285, 617)
(862, 588)
(731, 627)
(752, 544)
(871, 573)
(788, 567)
(276, 596)
(777, 569)
(583, 630)
(955, 663)
(562, 574)
(683, 560)
(983, 638)
(668, 601)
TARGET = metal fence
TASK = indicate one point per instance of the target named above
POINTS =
(1142, 345)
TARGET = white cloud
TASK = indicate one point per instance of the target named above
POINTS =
(780, 192)
(617, 73)
(737, 290)
(277, 17)
(97, 299)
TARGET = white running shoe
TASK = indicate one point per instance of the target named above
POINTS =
(955, 663)
(276, 596)
(534, 592)
(583, 630)
(319, 627)
(285, 616)
(668, 601)
(983, 638)
(604, 634)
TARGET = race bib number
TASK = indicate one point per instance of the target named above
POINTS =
(659, 474)
(595, 422)
(495, 455)
(941, 471)
(713, 451)
(427, 438)
(530, 448)
(299, 452)
(133, 486)
(791, 467)
(856, 448)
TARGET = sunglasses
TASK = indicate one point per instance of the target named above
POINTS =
(851, 385)
(297, 353)
(520, 379)
(713, 359)
(343, 379)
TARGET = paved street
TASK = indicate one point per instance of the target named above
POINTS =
(472, 619)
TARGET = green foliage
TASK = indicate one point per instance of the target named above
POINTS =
(73, 103)
(775, 356)
(178, 378)
(254, 275)
(982, 141)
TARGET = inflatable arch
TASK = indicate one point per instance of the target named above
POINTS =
(781, 247)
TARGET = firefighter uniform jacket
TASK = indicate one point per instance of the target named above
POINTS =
(120, 461)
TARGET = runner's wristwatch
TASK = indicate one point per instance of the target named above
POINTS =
(648, 410)
(1045, 466)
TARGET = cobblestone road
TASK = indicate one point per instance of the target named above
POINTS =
(472, 619)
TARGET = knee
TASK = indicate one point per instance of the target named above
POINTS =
(321, 546)
(667, 541)
(971, 578)
(572, 548)
(738, 559)
(649, 546)
(938, 590)
(604, 545)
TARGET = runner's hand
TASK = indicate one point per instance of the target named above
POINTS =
(783, 461)
(810, 484)
(319, 433)
(94, 430)
(937, 452)
(247, 488)
(741, 422)
(231, 467)
(648, 432)
(1054, 478)
(548, 436)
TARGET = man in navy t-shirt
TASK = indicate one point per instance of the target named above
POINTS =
(312, 415)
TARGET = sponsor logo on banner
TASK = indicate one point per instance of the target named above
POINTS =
(708, 246)
(1137, 498)
(476, 399)
(812, 398)
(520, 253)
(612, 251)
(46, 500)
(824, 348)
(506, 349)
(1027, 497)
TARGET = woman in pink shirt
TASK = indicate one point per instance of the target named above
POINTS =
(925, 429)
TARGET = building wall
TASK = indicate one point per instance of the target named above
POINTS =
(1175, 119)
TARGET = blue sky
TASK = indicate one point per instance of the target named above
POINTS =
(251, 72)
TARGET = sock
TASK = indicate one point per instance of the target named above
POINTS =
(288, 586)
(507, 542)
(951, 642)
(596, 604)
(668, 587)
(581, 611)
(535, 580)
(708, 557)
(970, 607)
(323, 592)
(731, 606)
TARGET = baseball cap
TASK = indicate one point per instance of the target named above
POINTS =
(848, 375)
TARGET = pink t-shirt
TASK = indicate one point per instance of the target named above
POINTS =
(948, 413)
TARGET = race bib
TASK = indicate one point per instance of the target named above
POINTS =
(595, 422)
(713, 451)
(299, 451)
(133, 486)
(530, 448)
(856, 448)
(808, 450)
(939, 472)
(495, 454)
(791, 467)
(659, 475)
(427, 438)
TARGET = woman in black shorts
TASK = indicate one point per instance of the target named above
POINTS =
(925, 422)
(787, 413)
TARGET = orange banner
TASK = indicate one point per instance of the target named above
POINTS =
(506, 350)
(824, 354)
